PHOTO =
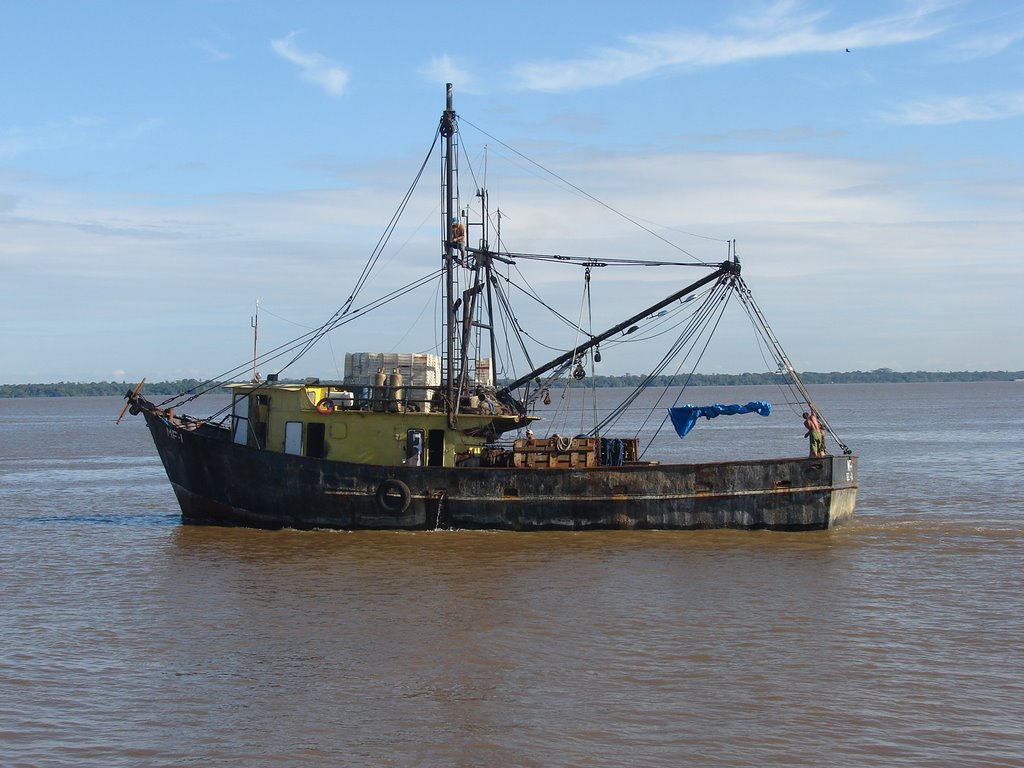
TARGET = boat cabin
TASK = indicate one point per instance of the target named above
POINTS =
(365, 425)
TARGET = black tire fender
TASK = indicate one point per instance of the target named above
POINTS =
(393, 496)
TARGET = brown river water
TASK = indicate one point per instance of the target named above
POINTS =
(127, 639)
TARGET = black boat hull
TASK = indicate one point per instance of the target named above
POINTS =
(218, 482)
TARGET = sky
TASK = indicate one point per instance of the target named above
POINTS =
(166, 165)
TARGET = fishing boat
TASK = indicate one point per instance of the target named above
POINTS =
(452, 437)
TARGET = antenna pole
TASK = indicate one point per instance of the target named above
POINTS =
(255, 335)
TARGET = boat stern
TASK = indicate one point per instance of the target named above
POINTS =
(844, 489)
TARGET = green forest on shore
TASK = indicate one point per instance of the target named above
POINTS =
(877, 376)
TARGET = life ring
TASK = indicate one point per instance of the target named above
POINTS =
(325, 406)
(393, 496)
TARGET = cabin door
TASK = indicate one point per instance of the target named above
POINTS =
(435, 448)
(315, 436)
(259, 416)
(293, 437)
(250, 414)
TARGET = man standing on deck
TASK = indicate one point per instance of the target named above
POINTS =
(815, 433)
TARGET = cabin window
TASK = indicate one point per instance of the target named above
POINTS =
(414, 447)
(293, 437)
(315, 444)
(240, 414)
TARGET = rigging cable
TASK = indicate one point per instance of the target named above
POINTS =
(707, 342)
(747, 297)
(572, 365)
(594, 356)
(375, 255)
(788, 392)
(306, 341)
(215, 383)
(586, 194)
(691, 333)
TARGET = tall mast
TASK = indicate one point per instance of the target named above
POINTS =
(485, 257)
(448, 131)
(485, 248)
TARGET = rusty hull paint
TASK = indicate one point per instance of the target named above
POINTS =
(218, 482)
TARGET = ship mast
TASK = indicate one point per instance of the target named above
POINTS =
(448, 131)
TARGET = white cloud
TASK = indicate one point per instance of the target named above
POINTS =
(313, 67)
(958, 109)
(984, 46)
(14, 142)
(779, 30)
(443, 69)
(212, 51)
(877, 241)
(65, 133)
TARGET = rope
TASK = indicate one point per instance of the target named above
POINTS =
(786, 367)
(690, 334)
(302, 341)
(583, 192)
(308, 340)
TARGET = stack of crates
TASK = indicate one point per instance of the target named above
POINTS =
(421, 373)
(544, 453)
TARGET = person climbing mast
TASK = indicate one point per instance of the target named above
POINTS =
(459, 236)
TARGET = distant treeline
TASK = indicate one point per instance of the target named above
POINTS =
(877, 376)
(94, 388)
